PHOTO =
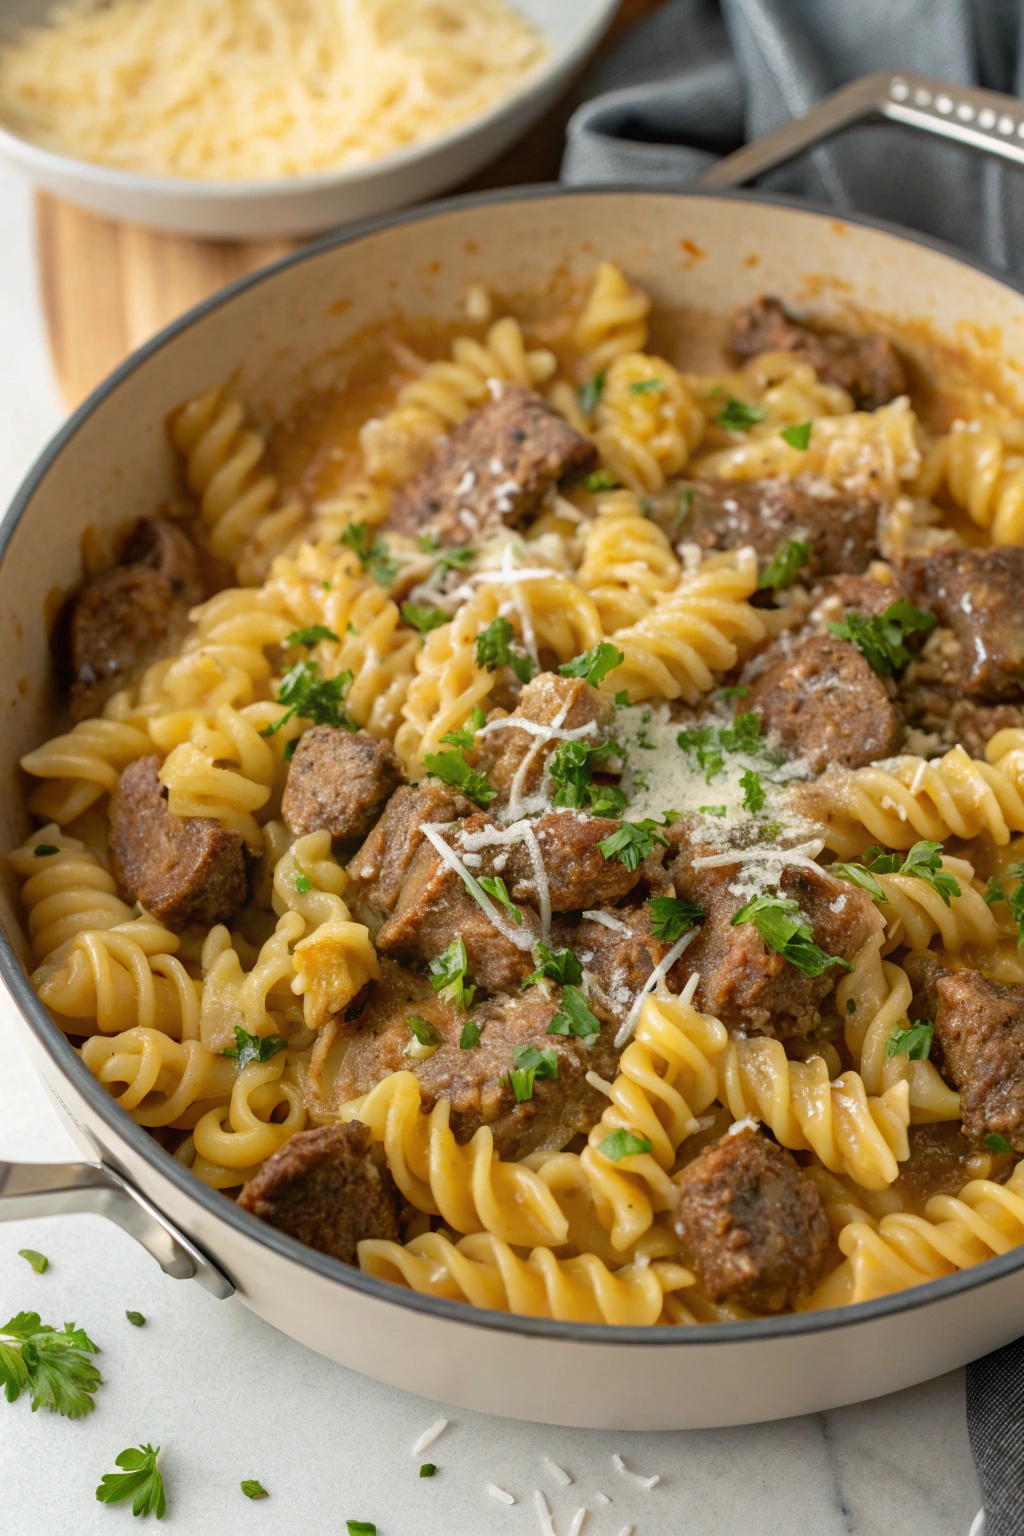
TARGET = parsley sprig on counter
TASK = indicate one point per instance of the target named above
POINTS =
(780, 923)
(39, 1262)
(140, 1481)
(51, 1365)
(881, 639)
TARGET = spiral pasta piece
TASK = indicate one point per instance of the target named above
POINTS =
(164, 1082)
(196, 786)
(469, 1186)
(956, 1232)
(613, 320)
(66, 891)
(785, 387)
(251, 1000)
(692, 634)
(981, 466)
(628, 562)
(647, 421)
(335, 958)
(485, 1272)
(81, 766)
(909, 798)
(914, 911)
(241, 1134)
(118, 978)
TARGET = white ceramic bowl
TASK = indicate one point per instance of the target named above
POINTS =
(303, 205)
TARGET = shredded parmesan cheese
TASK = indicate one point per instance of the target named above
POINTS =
(660, 971)
(498, 1493)
(430, 1435)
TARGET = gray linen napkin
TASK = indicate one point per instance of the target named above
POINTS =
(695, 80)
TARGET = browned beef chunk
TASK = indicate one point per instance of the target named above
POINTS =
(923, 970)
(547, 699)
(976, 593)
(434, 907)
(617, 960)
(339, 781)
(474, 1080)
(129, 616)
(980, 1026)
(494, 468)
(753, 1230)
(869, 367)
(938, 1164)
(183, 869)
(578, 874)
(841, 529)
(745, 983)
(326, 1189)
(861, 593)
(383, 861)
(820, 700)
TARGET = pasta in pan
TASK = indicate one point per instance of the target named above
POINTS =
(579, 840)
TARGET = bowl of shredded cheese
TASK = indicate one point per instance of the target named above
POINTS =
(242, 118)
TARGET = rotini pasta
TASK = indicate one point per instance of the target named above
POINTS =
(647, 421)
(165, 1083)
(628, 562)
(980, 465)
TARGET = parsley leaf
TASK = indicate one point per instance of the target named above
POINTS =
(303, 883)
(709, 743)
(452, 768)
(252, 1489)
(632, 842)
(560, 965)
(428, 1469)
(455, 559)
(595, 664)
(915, 1041)
(448, 975)
(53, 1365)
(600, 480)
(529, 1065)
(880, 860)
(310, 635)
(622, 698)
(470, 1037)
(712, 810)
(785, 565)
(139, 1479)
(360, 1528)
(254, 1047)
(39, 1262)
(574, 1017)
(42, 849)
(466, 734)
(572, 764)
(494, 650)
(791, 937)
(589, 393)
(425, 1033)
(997, 1143)
(798, 436)
(925, 862)
(623, 1143)
(993, 892)
(880, 638)
(645, 386)
(373, 553)
(671, 917)
(313, 697)
(424, 618)
(737, 416)
(136, 1319)
(609, 799)
(859, 876)
(495, 886)
(428, 542)
(753, 791)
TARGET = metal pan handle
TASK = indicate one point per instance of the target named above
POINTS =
(57, 1189)
(963, 114)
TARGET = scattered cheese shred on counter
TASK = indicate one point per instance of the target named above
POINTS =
(645, 1482)
(498, 1493)
(234, 89)
(430, 1435)
(543, 1509)
(559, 1474)
(577, 1521)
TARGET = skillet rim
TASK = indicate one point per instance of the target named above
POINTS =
(65, 1058)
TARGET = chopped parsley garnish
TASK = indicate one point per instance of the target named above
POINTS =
(595, 664)
(455, 559)
(621, 700)
(495, 887)
(744, 735)
(360, 1528)
(574, 1017)
(712, 810)
(424, 618)
(136, 1319)
(42, 849)
(311, 635)
(997, 1143)
(452, 768)
(466, 734)
(993, 892)
(530, 1064)
(374, 556)
(252, 1489)
(313, 697)
(589, 393)
(733, 691)
(302, 883)
(428, 542)
(448, 975)
(881, 638)
(671, 917)
(425, 1033)
(39, 1262)
(709, 743)
(609, 799)
(924, 862)
(790, 936)
(915, 1042)
(254, 1047)
(572, 765)
(851, 1005)
(600, 480)
(785, 565)
(1015, 902)
(428, 1469)
(798, 436)
(52, 1366)
(559, 965)
(753, 791)
(632, 842)
(140, 1481)
(623, 1143)
(470, 1037)
(857, 875)
(494, 650)
(645, 386)
(737, 416)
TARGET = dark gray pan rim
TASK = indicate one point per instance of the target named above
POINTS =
(215, 1205)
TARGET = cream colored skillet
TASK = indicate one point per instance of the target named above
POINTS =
(700, 255)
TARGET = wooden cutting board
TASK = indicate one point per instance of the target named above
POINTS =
(106, 287)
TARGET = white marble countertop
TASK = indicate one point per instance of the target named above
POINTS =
(228, 1397)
